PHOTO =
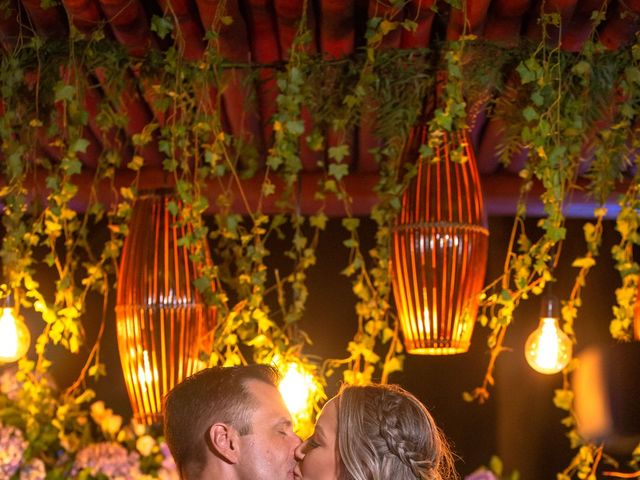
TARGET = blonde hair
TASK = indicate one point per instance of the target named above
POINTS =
(385, 433)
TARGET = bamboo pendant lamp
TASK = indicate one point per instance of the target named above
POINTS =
(636, 318)
(439, 257)
(162, 321)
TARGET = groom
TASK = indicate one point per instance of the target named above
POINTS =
(230, 424)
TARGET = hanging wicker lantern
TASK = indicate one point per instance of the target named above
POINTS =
(162, 321)
(440, 247)
(636, 318)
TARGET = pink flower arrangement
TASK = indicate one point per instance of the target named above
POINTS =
(34, 470)
(108, 458)
(82, 440)
(12, 447)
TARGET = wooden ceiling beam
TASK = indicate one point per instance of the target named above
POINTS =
(337, 40)
(85, 15)
(62, 118)
(564, 8)
(501, 193)
(136, 111)
(265, 49)
(112, 139)
(337, 28)
(367, 139)
(238, 94)
(49, 22)
(9, 26)
(505, 30)
(91, 155)
(288, 15)
(262, 31)
(621, 24)
(510, 8)
(504, 21)
(488, 152)
(129, 24)
(190, 34)
(391, 13)
(420, 11)
(469, 21)
(581, 26)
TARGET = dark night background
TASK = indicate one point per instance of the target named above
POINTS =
(519, 422)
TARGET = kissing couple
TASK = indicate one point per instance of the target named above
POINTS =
(230, 423)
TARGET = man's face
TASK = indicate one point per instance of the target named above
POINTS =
(267, 452)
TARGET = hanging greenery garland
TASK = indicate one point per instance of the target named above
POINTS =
(556, 101)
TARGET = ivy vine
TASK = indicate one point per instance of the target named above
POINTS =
(557, 100)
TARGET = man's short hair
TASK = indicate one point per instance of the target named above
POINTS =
(213, 395)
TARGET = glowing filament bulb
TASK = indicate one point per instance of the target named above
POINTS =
(14, 337)
(548, 348)
(297, 387)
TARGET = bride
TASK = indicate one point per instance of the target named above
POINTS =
(375, 432)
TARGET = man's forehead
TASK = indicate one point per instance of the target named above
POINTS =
(266, 396)
(254, 384)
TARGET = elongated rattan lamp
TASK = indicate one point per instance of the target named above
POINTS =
(636, 319)
(162, 321)
(439, 256)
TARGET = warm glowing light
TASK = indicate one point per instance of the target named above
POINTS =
(297, 388)
(439, 247)
(14, 337)
(548, 348)
(145, 375)
(300, 390)
(591, 386)
(162, 323)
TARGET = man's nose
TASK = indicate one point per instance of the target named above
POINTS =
(299, 452)
(296, 440)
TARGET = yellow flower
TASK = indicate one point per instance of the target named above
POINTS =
(70, 442)
(138, 428)
(145, 445)
(97, 411)
(111, 424)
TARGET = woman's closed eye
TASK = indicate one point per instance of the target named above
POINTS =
(312, 443)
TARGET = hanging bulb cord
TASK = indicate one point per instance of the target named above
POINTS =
(549, 303)
(8, 301)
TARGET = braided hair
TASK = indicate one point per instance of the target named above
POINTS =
(385, 433)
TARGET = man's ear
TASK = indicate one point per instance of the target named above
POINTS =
(225, 442)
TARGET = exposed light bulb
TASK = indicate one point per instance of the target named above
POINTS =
(548, 348)
(14, 337)
(297, 388)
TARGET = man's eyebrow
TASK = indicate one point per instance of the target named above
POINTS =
(284, 422)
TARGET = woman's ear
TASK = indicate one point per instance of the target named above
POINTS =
(225, 442)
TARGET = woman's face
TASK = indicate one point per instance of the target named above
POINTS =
(318, 455)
